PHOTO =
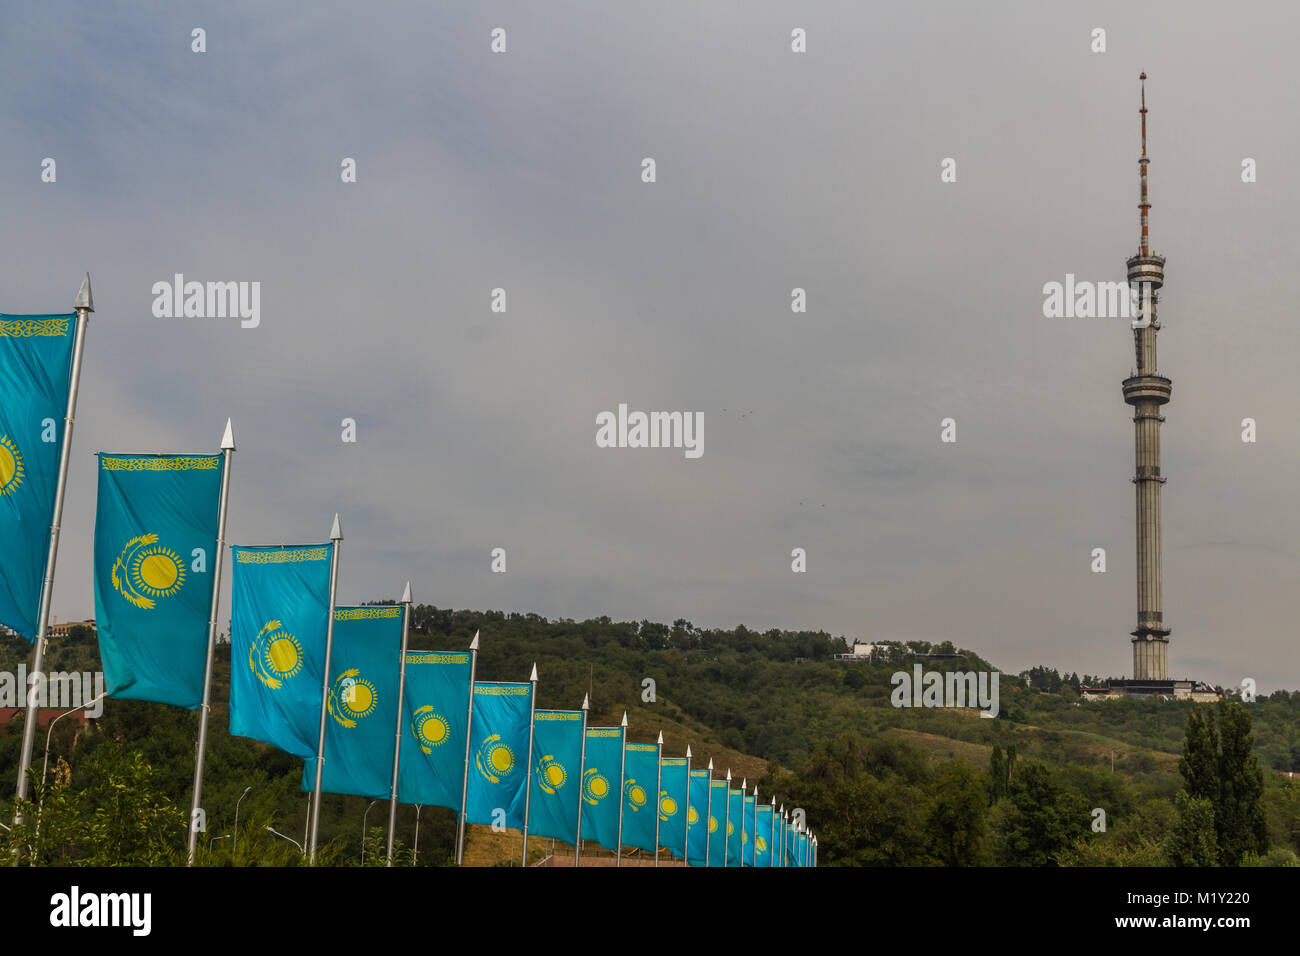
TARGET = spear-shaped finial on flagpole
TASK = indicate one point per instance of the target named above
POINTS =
(84, 300)
(473, 645)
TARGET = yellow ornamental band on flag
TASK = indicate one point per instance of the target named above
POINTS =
(206, 463)
(674, 761)
(607, 732)
(421, 657)
(502, 691)
(643, 748)
(287, 556)
(27, 328)
(551, 715)
(367, 613)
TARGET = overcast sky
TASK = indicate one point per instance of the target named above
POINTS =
(775, 170)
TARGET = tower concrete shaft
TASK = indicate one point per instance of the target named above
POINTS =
(1146, 390)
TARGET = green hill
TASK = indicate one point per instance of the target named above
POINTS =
(775, 707)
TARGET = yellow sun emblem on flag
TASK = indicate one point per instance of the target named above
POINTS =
(145, 571)
(636, 795)
(275, 655)
(551, 775)
(667, 806)
(429, 728)
(595, 787)
(11, 465)
(494, 759)
(351, 698)
(692, 816)
(762, 845)
(731, 828)
(713, 824)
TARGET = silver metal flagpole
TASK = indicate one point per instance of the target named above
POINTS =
(659, 782)
(227, 451)
(686, 841)
(780, 860)
(622, 776)
(726, 837)
(708, 815)
(582, 772)
(528, 777)
(336, 536)
(469, 727)
(753, 831)
(401, 703)
(744, 833)
(84, 305)
(771, 835)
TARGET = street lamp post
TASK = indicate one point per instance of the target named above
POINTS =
(415, 849)
(283, 837)
(234, 847)
(363, 831)
(45, 763)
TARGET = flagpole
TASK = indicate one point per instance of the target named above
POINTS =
(659, 782)
(753, 834)
(227, 451)
(726, 837)
(336, 536)
(84, 305)
(771, 834)
(686, 842)
(469, 727)
(528, 778)
(397, 737)
(780, 860)
(582, 772)
(622, 782)
(744, 782)
(708, 815)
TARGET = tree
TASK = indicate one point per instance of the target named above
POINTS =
(956, 824)
(1219, 767)
(1193, 842)
(1037, 822)
(1001, 769)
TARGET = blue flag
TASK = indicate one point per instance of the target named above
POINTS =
(557, 759)
(280, 599)
(155, 540)
(602, 783)
(640, 783)
(763, 836)
(499, 757)
(36, 371)
(673, 800)
(717, 822)
(436, 718)
(735, 805)
(362, 703)
(698, 819)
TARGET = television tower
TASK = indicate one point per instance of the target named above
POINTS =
(1146, 391)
